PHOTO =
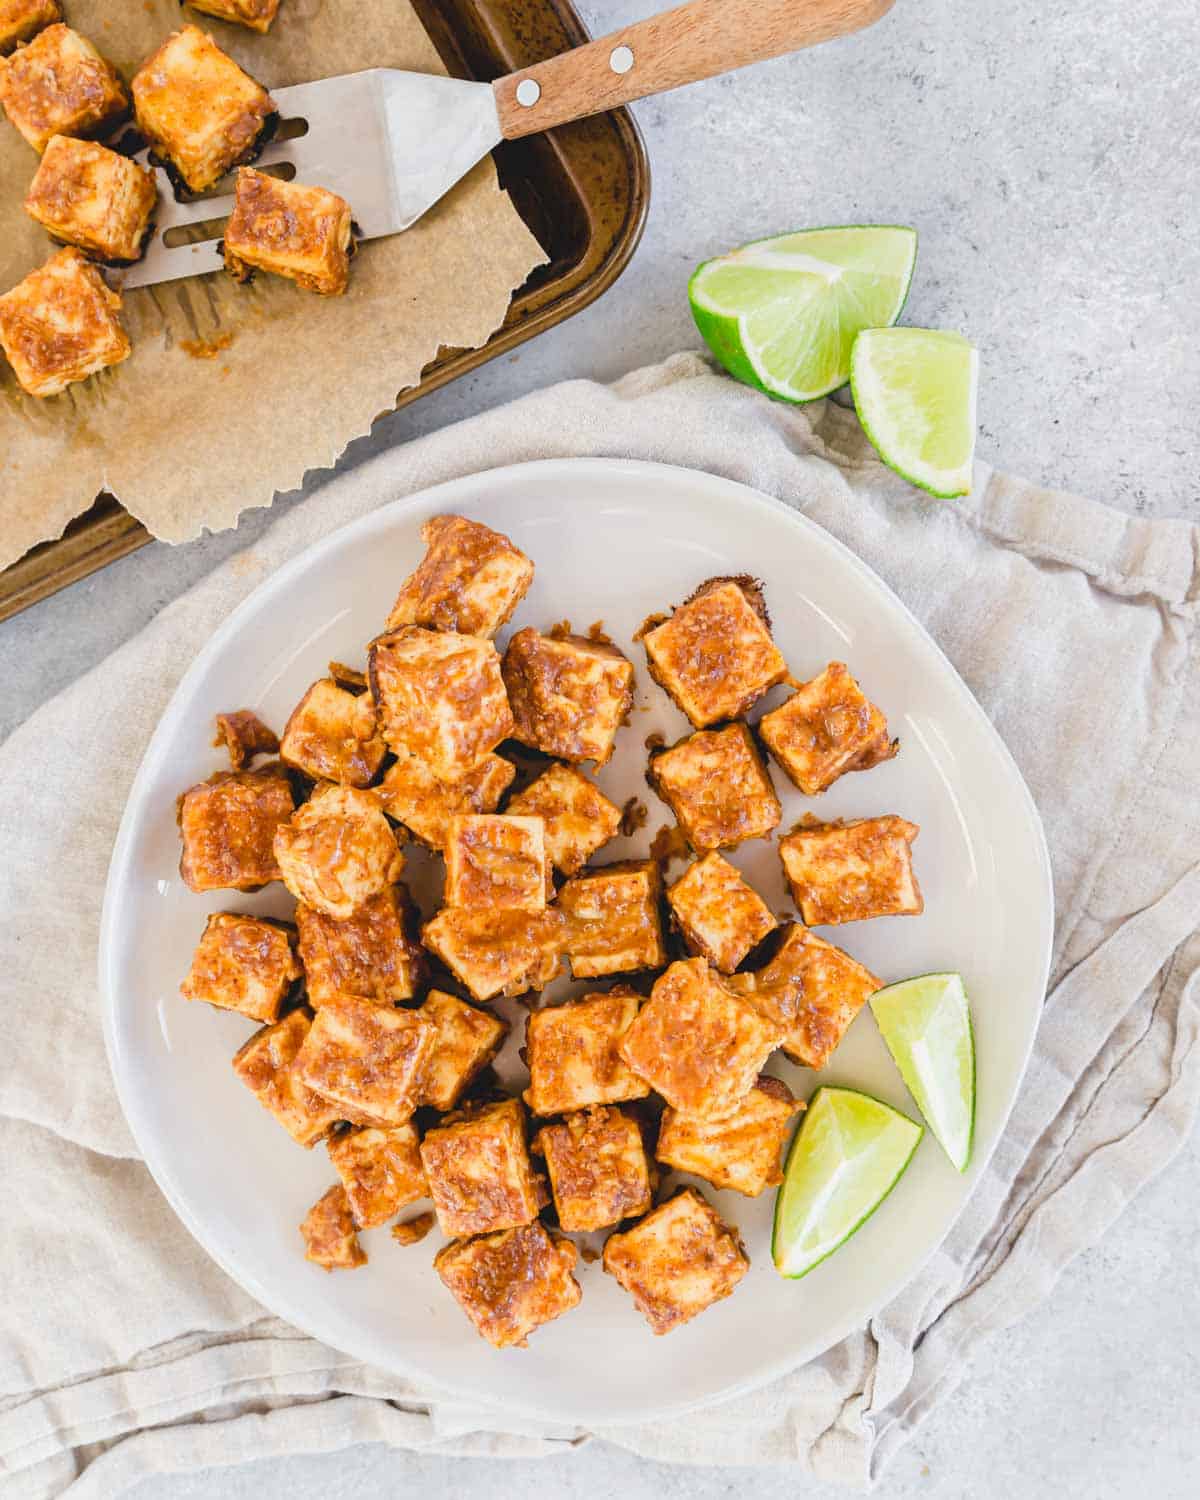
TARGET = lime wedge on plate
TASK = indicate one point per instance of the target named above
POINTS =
(782, 314)
(915, 393)
(926, 1024)
(847, 1156)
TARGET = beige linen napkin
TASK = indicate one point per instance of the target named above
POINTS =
(126, 1351)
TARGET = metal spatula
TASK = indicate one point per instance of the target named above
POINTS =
(392, 143)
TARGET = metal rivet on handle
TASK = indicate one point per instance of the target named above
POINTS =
(621, 59)
(529, 91)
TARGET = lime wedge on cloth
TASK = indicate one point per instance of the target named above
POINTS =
(926, 1024)
(782, 314)
(846, 1158)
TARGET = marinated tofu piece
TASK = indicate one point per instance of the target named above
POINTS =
(573, 1053)
(744, 1151)
(380, 1169)
(87, 195)
(479, 1173)
(812, 990)
(373, 954)
(613, 924)
(245, 736)
(512, 1282)
(719, 916)
(329, 1233)
(696, 1043)
(413, 795)
(60, 85)
(22, 19)
(466, 1039)
(497, 952)
(497, 863)
(323, 737)
(366, 1059)
(256, 14)
(247, 964)
(569, 695)
(338, 850)
(289, 229)
(470, 580)
(265, 1064)
(826, 728)
(579, 819)
(598, 1170)
(60, 325)
(413, 1231)
(717, 786)
(440, 697)
(715, 656)
(848, 872)
(679, 1260)
(228, 825)
(199, 111)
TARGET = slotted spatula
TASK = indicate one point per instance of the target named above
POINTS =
(392, 143)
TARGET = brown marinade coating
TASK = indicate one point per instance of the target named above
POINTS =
(244, 735)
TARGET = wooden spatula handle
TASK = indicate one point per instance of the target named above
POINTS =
(683, 45)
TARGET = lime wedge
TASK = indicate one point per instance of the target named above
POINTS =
(915, 393)
(782, 314)
(846, 1158)
(926, 1024)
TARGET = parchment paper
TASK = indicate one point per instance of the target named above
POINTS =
(186, 442)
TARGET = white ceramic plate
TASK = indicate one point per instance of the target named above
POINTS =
(613, 541)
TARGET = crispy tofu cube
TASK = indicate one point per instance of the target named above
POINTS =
(366, 1059)
(826, 728)
(497, 863)
(256, 14)
(715, 656)
(244, 736)
(329, 1234)
(479, 1173)
(289, 229)
(742, 1151)
(22, 19)
(199, 111)
(265, 1066)
(338, 850)
(715, 783)
(497, 952)
(380, 1169)
(470, 580)
(598, 1170)
(613, 925)
(413, 1231)
(466, 1040)
(578, 817)
(87, 195)
(573, 1054)
(228, 825)
(512, 1282)
(696, 1043)
(812, 990)
(60, 325)
(847, 872)
(569, 695)
(322, 737)
(373, 954)
(245, 964)
(412, 795)
(60, 85)
(679, 1260)
(719, 916)
(440, 697)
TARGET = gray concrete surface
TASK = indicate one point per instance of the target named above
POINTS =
(1050, 158)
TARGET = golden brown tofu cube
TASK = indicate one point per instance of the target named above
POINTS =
(413, 1231)
(380, 1169)
(322, 737)
(329, 1233)
(338, 850)
(812, 990)
(719, 916)
(512, 1282)
(256, 14)
(265, 1066)
(200, 113)
(478, 1169)
(470, 580)
(573, 1054)
(847, 872)
(497, 863)
(497, 952)
(715, 783)
(715, 656)
(696, 1043)
(826, 728)
(569, 695)
(578, 817)
(466, 1041)
(373, 954)
(613, 921)
(60, 325)
(60, 85)
(366, 1059)
(742, 1151)
(598, 1170)
(22, 19)
(228, 825)
(87, 195)
(244, 735)
(245, 964)
(440, 697)
(679, 1260)
(289, 229)
(414, 796)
